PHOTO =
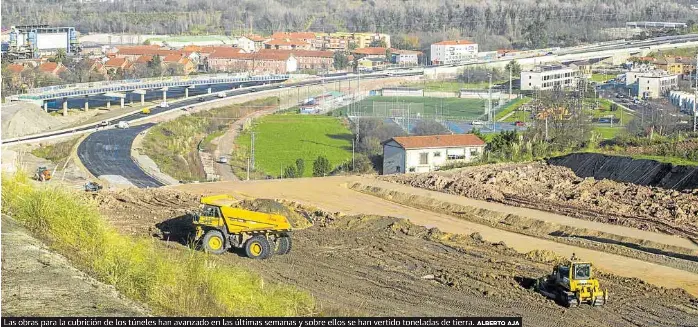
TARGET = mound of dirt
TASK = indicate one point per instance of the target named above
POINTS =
(558, 189)
(24, 118)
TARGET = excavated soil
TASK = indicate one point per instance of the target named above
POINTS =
(372, 265)
(558, 189)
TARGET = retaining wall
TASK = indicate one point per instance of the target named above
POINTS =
(629, 170)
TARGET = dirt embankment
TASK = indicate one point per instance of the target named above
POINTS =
(37, 282)
(629, 170)
(372, 265)
(558, 189)
(672, 256)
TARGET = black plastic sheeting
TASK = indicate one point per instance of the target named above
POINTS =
(629, 170)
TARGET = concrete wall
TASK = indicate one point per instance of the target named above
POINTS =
(393, 158)
(629, 170)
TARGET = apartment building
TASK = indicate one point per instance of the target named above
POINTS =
(449, 52)
(548, 77)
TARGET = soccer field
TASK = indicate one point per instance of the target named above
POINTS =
(447, 108)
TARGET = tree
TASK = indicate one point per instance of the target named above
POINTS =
(321, 166)
(388, 55)
(378, 44)
(300, 167)
(476, 132)
(429, 127)
(156, 65)
(341, 60)
(290, 172)
(352, 46)
(60, 56)
(515, 68)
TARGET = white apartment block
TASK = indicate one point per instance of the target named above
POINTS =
(449, 52)
(656, 86)
(548, 77)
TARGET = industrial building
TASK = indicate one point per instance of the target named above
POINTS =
(33, 41)
(548, 77)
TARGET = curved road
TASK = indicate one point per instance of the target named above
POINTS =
(109, 153)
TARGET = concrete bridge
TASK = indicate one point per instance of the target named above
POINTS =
(119, 89)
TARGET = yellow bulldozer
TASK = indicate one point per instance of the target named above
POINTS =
(222, 225)
(572, 284)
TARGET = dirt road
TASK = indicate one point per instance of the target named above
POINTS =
(380, 266)
(331, 194)
(38, 282)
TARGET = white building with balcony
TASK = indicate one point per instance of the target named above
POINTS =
(548, 77)
(449, 52)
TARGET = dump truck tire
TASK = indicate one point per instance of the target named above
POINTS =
(213, 242)
(258, 247)
(283, 245)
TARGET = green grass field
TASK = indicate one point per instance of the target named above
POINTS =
(601, 77)
(510, 107)
(450, 86)
(454, 108)
(281, 139)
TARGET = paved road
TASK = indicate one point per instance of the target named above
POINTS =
(108, 152)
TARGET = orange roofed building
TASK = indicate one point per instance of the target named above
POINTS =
(52, 68)
(418, 154)
(263, 62)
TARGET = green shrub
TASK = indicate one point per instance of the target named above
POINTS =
(177, 283)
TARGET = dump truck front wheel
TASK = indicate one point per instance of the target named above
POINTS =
(213, 242)
(258, 247)
(283, 245)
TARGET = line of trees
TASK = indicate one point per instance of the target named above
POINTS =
(491, 23)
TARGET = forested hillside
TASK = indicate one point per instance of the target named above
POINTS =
(492, 23)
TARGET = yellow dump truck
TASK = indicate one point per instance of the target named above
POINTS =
(221, 225)
(146, 111)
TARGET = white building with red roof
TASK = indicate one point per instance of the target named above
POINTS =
(419, 154)
(449, 52)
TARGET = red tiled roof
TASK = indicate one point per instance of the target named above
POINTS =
(115, 62)
(293, 35)
(144, 59)
(172, 57)
(48, 67)
(301, 53)
(282, 41)
(256, 38)
(371, 51)
(454, 42)
(438, 141)
(272, 56)
(231, 53)
(145, 51)
(15, 68)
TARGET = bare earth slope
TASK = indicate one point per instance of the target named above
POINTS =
(37, 282)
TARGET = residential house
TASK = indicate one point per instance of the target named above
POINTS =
(452, 51)
(418, 154)
(405, 57)
(187, 64)
(245, 43)
(287, 44)
(371, 63)
(53, 68)
(308, 59)
(132, 53)
(269, 62)
(15, 68)
(307, 37)
(360, 40)
(584, 67)
(372, 52)
(114, 65)
(258, 40)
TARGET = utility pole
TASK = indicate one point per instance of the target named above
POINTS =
(489, 100)
(352, 155)
(511, 67)
(252, 150)
(248, 169)
(695, 99)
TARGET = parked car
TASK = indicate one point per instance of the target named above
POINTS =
(122, 124)
(164, 104)
(92, 187)
(477, 123)
(201, 99)
(222, 159)
(221, 94)
(519, 124)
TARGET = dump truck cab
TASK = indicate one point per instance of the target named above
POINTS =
(221, 225)
(42, 174)
(573, 283)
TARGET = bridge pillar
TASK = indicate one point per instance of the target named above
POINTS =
(209, 90)
(108, 104)
(65, 106)
(142, 99)
(87, 104)
(164, 95)
(122, 103)
(186, 92)
(46, 106)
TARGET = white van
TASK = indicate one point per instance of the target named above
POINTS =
(221, 94)
(122, 124)
(477, 123)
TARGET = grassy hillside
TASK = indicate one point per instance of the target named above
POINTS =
(171, 283)
(173, 145)
(281, 139)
